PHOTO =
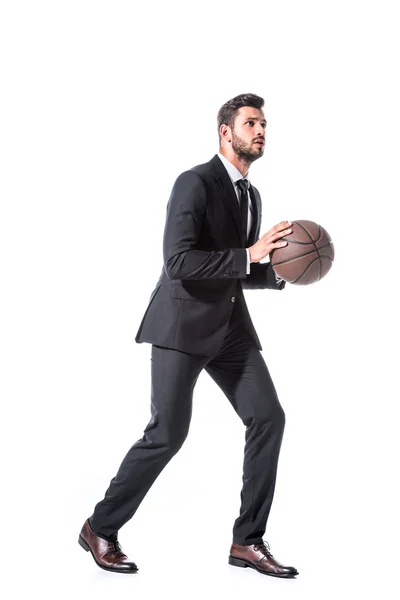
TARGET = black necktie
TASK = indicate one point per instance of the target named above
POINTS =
(244, 204)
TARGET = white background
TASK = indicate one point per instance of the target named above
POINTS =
(103, 105)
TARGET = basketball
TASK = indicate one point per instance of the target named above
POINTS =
(308, 255)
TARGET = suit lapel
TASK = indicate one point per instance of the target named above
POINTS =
(226, 185)
(254, 232)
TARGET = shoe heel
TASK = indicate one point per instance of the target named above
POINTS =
(82, 542)
(237, 562)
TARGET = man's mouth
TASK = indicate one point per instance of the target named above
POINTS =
(259, 142)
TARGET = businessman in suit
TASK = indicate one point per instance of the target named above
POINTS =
(197, 319)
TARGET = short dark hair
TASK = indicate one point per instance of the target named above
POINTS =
(228, 111)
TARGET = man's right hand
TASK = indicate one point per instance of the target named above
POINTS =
(268, 241)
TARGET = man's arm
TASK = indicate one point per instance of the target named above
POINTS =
(262, 276)
(185, 212)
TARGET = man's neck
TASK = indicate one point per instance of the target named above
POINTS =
(242, 165)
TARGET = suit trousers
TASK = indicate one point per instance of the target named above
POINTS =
(239, 370)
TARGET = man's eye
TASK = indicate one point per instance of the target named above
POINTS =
(251, 122)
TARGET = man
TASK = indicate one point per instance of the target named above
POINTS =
(197, 319)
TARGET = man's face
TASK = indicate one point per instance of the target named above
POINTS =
(248, 133)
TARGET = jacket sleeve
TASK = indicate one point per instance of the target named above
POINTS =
(262, 276)
(186, 209)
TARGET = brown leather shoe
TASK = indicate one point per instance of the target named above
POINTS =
(259, 557)
(107, 554)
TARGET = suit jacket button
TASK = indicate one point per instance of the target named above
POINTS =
(233, 299)
(236, 272)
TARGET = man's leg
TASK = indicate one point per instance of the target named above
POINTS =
(173, 377)
(241, 373)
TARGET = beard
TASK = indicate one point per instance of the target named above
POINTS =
(245, 151)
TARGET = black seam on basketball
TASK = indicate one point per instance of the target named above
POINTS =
(282, 262)
(308, 266)
(296, 242)
(320, 234)
(320, 262)
(304, 243)
(304, 229)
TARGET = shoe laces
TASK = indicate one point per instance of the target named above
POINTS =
(115, 546)
(264, 546)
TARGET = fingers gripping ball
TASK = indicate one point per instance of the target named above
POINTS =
(308, 255)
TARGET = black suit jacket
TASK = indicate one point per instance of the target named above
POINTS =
(204, 270)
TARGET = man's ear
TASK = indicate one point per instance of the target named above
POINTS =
(225, 133)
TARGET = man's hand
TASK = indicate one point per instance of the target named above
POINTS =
(268, 242)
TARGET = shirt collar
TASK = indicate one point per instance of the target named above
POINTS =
(233, 172)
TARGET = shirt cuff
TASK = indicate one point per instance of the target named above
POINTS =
(248, 261)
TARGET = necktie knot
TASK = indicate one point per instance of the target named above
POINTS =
(242, 185)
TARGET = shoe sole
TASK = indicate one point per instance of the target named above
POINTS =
(86, 547)
(240, 562)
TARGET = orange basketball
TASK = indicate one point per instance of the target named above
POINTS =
(308, 256)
